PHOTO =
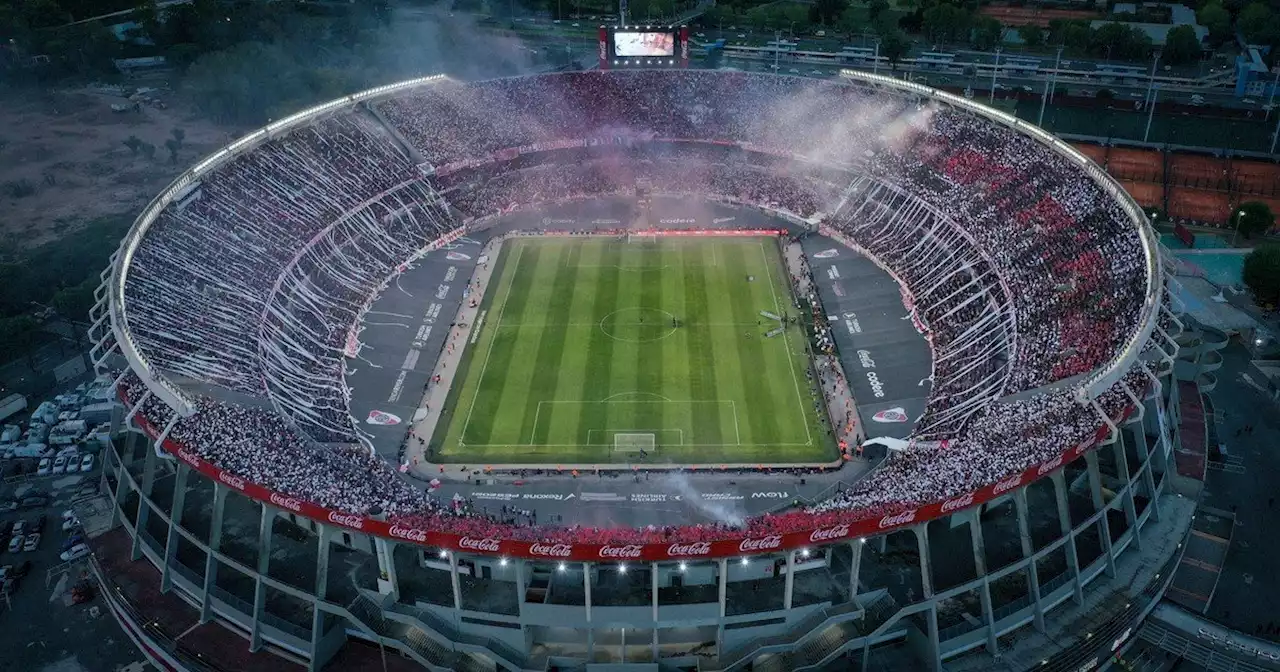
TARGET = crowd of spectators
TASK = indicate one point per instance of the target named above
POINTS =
(1022, 272)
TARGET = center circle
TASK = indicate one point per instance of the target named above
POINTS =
(638, 325)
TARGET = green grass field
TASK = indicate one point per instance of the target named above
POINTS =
(577, 345)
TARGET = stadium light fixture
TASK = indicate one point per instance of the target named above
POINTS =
(622, 568)
(745, 561)
(804, 552)
(562, 568)
(502, 562)
(684, 566)
(444, 554)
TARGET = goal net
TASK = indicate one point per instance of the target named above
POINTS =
(642, 238)
(633, 443)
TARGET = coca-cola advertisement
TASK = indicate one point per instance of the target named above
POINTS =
(857, 527)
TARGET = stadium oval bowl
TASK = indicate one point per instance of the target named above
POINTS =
(830, 537)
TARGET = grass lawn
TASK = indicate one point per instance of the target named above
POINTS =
(658, 340)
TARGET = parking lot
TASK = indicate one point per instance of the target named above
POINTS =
(42, 627)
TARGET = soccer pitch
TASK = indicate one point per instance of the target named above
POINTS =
(597, 350)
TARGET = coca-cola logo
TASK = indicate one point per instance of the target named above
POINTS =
(551, 550)
(762, 544)
(957, 503)
(290, 503)
(631, 551)
(346, 520)
(233, 481)
(604, 54)
(1007, 484)
(829, 533)
(1049, 466)
(409, 533)
(696, 548)
(485, 545)
(897, 519)
(190, 458)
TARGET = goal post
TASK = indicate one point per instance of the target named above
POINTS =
(629, 442)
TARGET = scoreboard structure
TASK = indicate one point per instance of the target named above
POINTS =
(643, 47)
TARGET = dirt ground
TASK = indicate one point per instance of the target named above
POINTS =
(68, 145)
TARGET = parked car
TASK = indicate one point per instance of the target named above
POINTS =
(69, 524)
(72, 541)
(60, 465)
(75, 552)
(32, 542)
(36, 502)
(68, 513)
(19, 528)
(14, 544)
(8, 505)
(46, 466)
(86, 463)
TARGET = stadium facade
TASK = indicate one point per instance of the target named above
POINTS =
(1051, 567)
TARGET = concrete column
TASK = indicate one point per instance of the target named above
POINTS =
(591, 635)
(144, 507)
(653, 584)
(175, 519)
(519, 584)
(1028, 551)
(122, 491)
(454, 581)
(1149, 479)
(1095, 480)
(788, 586)
(264, 564)
(724, 586)
(926, 566)
(211, 563)
(1126, 499)
(318, 616)
(936, 653)
(131, 443)
(1095, 489)
(855, 566)
(979, 548)
(1059, 481)
(988, 616)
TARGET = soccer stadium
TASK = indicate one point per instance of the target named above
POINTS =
(641, 370)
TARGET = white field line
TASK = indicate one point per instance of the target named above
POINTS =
(488, 353)
(534, 325)
(786, 335)
(737, 431)
(598, 445)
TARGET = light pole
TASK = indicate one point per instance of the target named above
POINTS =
(1239, 218)
(777, 48)
(875, 68)
(1275, 135)
(1151, 83)
(1044, 99)
(1056, 62)
(994, 71)
(1272, 98)
(1151, 112)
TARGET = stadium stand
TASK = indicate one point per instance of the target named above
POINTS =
(255, 286)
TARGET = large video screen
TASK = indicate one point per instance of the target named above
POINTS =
(644, 44)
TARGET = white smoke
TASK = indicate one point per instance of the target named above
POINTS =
(721, 512)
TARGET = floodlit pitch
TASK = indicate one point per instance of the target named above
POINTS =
(642, 350)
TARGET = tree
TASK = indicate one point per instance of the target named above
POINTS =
(987, 33)
(1216, 18)
(1032, 35)
(1181, 46)
(179, 135)
(1119, 40)
(1262, 274)
(945, 23)
(134, 144)
(148, 150)
(1254, 20)
(829, 11)
(1253, 218)
(894, 45)
(876, 8)
(172, 145)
